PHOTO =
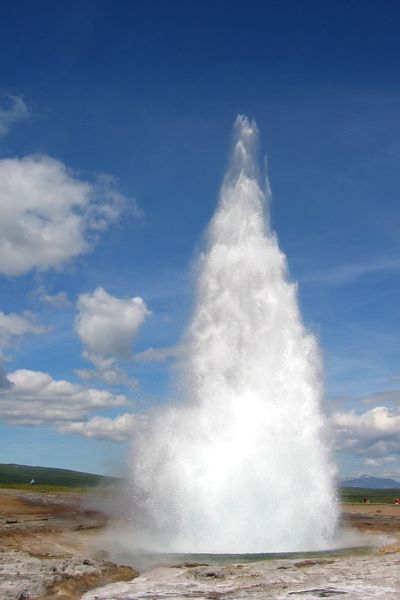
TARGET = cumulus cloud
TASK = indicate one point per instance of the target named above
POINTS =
(108, 326)
(13, 326)
(374, 434)
(48, 215)
(104, 428)
(375, 422)
(34, 398)
(12, 110)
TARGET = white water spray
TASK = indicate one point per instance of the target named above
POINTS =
(241, 465)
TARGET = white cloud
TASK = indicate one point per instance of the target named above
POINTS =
(103, 428)
(375, 422)
(158, 354)
(48, 215)
(373, 434)
(35, 398)
(108, 326)
(11, 111)
(14, 326)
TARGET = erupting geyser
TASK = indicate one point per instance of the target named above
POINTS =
(240, 466)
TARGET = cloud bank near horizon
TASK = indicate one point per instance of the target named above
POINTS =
(117, 430)
(33, 398)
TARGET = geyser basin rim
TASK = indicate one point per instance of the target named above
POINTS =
(145, 561)
(254, 556)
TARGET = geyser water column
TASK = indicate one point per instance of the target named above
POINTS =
(239, 466)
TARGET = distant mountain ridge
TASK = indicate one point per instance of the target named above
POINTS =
(370, 482)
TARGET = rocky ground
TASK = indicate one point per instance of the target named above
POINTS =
(355, 578)
(45, 548)
(47, 552)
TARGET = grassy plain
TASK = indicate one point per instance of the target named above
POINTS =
(47, 479)
(350, 495)
(50, 480)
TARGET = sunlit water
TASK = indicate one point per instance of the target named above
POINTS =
(240, 465)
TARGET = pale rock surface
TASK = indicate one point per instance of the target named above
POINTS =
(356, 578)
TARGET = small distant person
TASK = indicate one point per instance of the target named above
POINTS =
(365, 500)
(397, 501)
(32, 482)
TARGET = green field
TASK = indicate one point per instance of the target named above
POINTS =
(64, 480)
(48, 479)
(356, 495)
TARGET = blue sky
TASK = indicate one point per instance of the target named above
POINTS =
(121, 114)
